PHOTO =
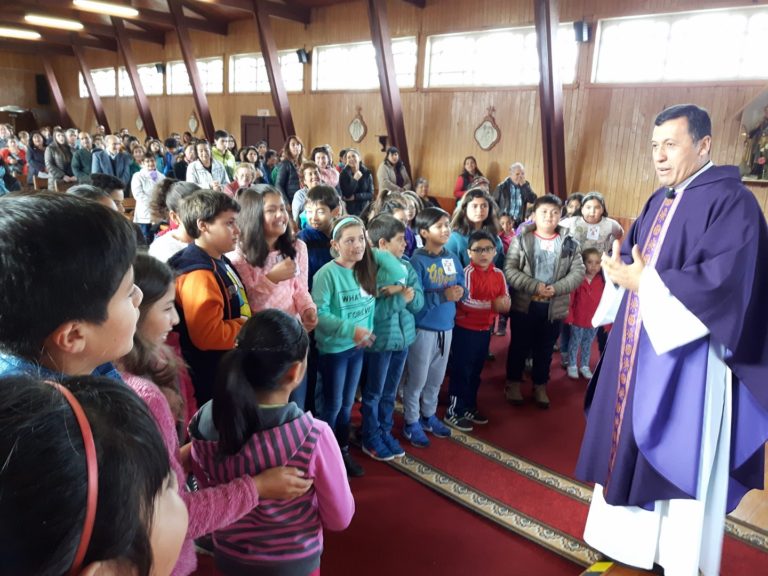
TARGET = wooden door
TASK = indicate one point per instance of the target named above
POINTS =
(255, 128)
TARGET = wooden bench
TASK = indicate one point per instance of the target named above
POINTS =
(130, 207)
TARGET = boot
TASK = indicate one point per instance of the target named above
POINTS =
(513, 394)
(540, 396)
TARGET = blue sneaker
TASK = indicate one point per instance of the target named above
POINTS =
(393, 445)
(415, 434)
(378, 450)
(433, 424)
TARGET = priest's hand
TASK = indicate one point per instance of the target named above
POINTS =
(624, 275)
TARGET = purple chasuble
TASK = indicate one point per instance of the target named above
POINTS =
(642, 442)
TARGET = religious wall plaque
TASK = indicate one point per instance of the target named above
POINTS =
(358, 128)
(488, 133)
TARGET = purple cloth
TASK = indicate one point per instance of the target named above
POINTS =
(713, 259)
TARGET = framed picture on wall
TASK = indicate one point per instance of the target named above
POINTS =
(357, 128)
(488, 133)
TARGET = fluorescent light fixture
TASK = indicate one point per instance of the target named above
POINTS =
(107, 8)
(19, 34)
(52, 22)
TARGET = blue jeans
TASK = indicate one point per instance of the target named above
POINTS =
(384, 372)
(469, 350)
(581, 338)
(341, 374)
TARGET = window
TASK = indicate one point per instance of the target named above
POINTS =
(503, 57)
(151, 76)
(103, 78)
(248, 72)
(211, 75)
(353, 66)
(683, 47)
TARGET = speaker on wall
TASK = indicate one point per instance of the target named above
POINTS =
(303, 55)
(160, 68)
(41, 90)
(581, 31)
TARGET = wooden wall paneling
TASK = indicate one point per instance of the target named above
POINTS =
(18, 72)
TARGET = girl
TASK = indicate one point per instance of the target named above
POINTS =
(142, 186)
(506, 234)
(36, 156)
(272, 264)
(344, 292)
(328, 173)
(583, 307)
(156, 149)
(465, 180)
(138, 521)
(573, 205)
(475, 212)
(251, 426)
(592, 227)
(355, 183)
(166, 207)
(392, 174)
(149, 372)
(287, 179)
(183, 161)
(413, 205)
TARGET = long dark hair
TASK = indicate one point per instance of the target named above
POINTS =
(287, 151)
(167, 196)
(460, 222)
(365, 269)
(250, 220)
(466, 176)
(266, 347)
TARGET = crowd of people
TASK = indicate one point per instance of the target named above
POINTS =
(250, 301)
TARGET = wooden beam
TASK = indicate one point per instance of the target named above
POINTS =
(166, 19)
(198, 93)
(550, 97)
(274, 73)
(59, 37)
(390, 92)
(417, 3)
(50, 75)
(34, 47)
(98, 109)
(285, 11)
(130, 66)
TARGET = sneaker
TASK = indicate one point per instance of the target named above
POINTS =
(458, 422)
(586, 372)
(354, 470)
(476, 417)
(540, 396)
(513, 394)
(438, 429)
(378, 450)
(414, 433)
(573, 372)
(393, 445)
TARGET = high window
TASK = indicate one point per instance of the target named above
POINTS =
(248, 72)
(104, 80)
(211, 75)
(150, 75)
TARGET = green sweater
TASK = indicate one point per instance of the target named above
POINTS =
(342, 305)
(393, 321)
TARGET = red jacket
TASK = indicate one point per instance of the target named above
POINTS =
(584, 301)
(475, 311)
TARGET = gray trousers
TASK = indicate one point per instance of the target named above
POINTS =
(426, 364)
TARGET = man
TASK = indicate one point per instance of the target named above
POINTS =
(222, 154)
(82, 159)
(72, 139)
(514, 194)
(678, 407)
(112, 161)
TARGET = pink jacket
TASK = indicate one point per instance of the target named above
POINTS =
(210, 508)
(291, 296)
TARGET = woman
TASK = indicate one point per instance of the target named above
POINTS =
(328, 173)
(15, 158)
(35, 156)
(422, 191)
(58, 160)
(185, 159)
(465, 180)
(205, 171)
(287, 179)
(392, 174)
(245, 175)
(355, 183)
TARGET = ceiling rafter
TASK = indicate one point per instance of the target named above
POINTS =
(34, 47)
(285, 11)
(64, 38)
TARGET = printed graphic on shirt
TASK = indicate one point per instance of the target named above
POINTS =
(238, 289)
(439, 276)
(355, 305)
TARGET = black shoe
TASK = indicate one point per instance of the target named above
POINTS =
(354, 470)
(476, 417)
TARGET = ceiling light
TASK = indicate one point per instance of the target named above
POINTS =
(106, 8)
(52, 22)
(19, 33)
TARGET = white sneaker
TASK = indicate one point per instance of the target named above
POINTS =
(573, 372)
(586, 372)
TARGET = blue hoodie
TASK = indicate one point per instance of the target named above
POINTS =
(437, 272)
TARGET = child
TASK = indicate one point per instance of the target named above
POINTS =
(271, 263)
(310, 177)
(323, 206)
(592, 228)
(413, 205)
(543, 267)
(251, 426)
(398, 298)
(506, 234)
(151, 371)
(476, 211)
(583, 307)
(209, 294)
(343, 291)
(75, 309)
(442, 279)
(142, 185)
(485, 296)
(166, 207)
(48, 525)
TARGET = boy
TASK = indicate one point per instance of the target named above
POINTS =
(485, 296)
(442, 279)
(68, 304)
(221, 152)
(543, 267)
(209, 294)
(323, 205)
(310, 177)
(399, 297)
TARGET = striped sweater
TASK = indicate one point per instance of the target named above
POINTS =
(279, 538)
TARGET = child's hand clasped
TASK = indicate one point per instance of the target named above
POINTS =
(392, 289)
(363, 338)
(309, 319)
(454, 293)
(501, 304)
(283, 270)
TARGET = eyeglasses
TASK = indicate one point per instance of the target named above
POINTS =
(484, 250)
